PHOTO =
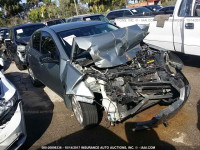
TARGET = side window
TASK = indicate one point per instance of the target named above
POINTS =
(110, 16)
(11, 34)
(69, 20)
(171, 8)
(118, 14)
(197, 9)
(127, 13)
(36, 41)
(164, 9)
(185, 8)
(76, 19)
(48, 46)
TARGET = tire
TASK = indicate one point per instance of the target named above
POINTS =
(86, 114)
(19, 64)
(34, 80)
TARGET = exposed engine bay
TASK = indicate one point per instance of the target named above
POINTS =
(150, 78)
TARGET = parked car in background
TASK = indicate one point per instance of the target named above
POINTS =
(95, 63)
(88, 17)
(19, 37)
(54, 22)
(135, 11)
(3, 34)
(12, 124)
(178, 32)
(153, 7)
(167, 10)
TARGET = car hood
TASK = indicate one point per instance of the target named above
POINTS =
(23, 40)
(113, 48)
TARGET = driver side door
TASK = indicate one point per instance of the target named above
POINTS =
(50, 69)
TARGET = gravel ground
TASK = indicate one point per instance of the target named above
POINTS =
(49, 123)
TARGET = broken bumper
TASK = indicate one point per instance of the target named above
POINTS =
(13, 135)
(168, 112)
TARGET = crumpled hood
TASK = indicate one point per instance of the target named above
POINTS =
(113, 48)
(24, 40)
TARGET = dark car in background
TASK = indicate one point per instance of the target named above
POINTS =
(153, 7)
(54, 22)
(166, 10)
(127, 12)
(88, 17)
(95, 66)
(3, 34)
(19, 37)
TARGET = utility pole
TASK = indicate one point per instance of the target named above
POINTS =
(76, 7)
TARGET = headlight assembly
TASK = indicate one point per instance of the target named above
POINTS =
(7, 106)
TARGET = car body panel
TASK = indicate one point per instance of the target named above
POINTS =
(13, 131)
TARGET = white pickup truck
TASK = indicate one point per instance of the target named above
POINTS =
(179, 32)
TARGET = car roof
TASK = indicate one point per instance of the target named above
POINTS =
(151, 5)
(3, 28)
(74, 25)
(169, 6)
(26, 25)
(85, 15)
(53, 20)
(124, 9)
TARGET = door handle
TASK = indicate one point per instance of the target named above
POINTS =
(189, 25)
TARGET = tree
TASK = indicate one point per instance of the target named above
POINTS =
(11, 7)
(67, 8)
(99, 6)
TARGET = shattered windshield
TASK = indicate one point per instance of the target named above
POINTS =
(67, 36)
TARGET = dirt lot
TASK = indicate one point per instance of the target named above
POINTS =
(49, 123)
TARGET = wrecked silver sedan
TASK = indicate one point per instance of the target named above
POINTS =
(96, 63)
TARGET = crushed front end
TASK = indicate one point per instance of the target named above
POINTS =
(152, 77)
(131, 77)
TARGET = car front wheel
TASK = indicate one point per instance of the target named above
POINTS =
(86, 114)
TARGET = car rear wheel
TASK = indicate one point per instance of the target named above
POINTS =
(34, 81)
(85, 113)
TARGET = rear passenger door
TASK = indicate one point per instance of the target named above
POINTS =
(34, 54)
